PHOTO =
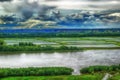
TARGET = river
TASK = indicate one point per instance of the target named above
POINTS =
(75, 60)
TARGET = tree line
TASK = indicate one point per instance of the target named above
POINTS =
(62, 34)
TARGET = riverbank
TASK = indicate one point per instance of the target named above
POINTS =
(48, 49)
(61, 73)
(37, 48)
(77, 77)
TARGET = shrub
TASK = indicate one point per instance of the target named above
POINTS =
(26, 44)
(2, 42)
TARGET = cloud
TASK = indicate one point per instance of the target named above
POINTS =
(85, 19)
(68, 4)
(85, 4)
(4, 0)
(26, 8)
(88, 12)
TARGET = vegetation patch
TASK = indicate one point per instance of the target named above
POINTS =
(115, 77)
(44, 71)
(78, 77)
(94, 69)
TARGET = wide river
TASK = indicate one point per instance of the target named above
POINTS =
(75, 60)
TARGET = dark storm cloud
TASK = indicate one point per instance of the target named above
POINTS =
(109, 18)
(27, 9)
(4, 0)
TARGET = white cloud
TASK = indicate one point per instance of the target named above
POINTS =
(77, 4)
(80, 4)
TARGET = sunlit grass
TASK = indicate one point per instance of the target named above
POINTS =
(78, 77)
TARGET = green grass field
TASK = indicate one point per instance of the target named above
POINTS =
(115, 77)
(78, 77)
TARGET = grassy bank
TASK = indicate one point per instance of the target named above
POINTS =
(37, 48)
(47, 49)
(60, 73)
(78, 77)
(105, 69)
(115, 76)
(45, 71)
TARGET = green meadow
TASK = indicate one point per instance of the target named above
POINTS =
(77, 77)
(76, 42)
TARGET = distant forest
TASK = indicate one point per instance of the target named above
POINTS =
(59, 32)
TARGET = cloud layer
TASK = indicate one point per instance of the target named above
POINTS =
(26, 8)
(4, 0)
(74, 4)
(72, 13)
(85, 4)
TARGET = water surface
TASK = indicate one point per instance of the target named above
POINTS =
(75, 60)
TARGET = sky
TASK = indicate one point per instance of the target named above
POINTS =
(85, 4)
(75, 4)
(90, 12)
